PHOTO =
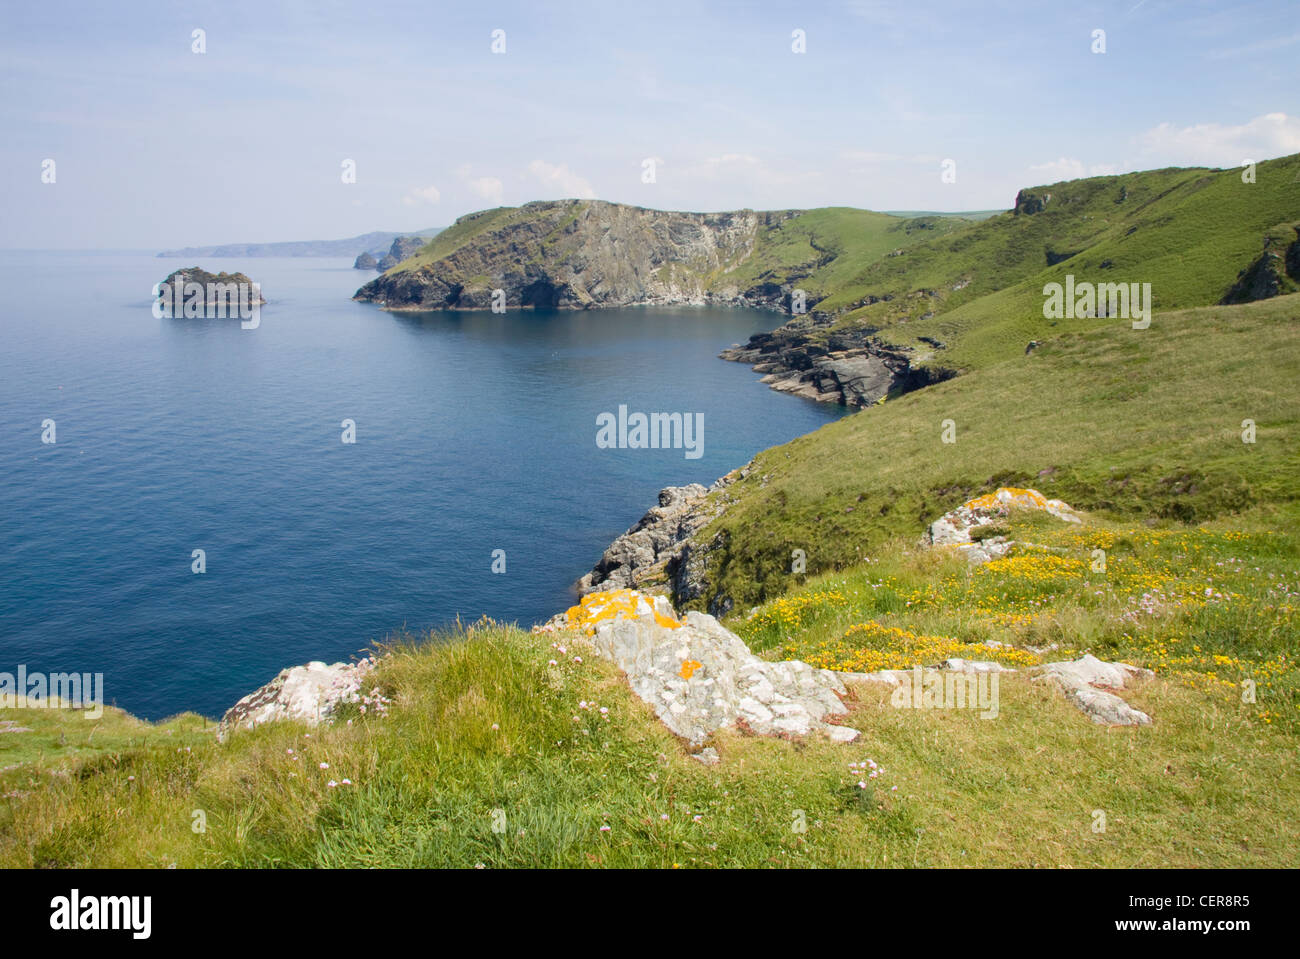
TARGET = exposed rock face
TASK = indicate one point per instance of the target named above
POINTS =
(638, 558)
(365, 262)
(700, 677)
(1277, 271)
(1087, 683)
(1029, 202)
(579, 254)
(954, 529)
(660, 553)
(309, 693)
(196, 287)
(848, 368)
(402, 248)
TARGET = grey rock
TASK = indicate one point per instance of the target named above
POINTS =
(1088, 682)
(308, 694)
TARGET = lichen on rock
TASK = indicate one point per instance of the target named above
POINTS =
(700, 677)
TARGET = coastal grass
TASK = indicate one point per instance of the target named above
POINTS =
(1141, 426)
(1210, 607)
(492, 757)
(55, 738)
(1186, 232)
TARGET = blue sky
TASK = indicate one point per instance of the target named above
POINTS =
(158, 146)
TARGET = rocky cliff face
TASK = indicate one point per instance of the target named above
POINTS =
(1274, 273)
(403, 247)
(659, 554)
(580, 254)
(850, 367)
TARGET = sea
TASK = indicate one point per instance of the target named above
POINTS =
(189, 505)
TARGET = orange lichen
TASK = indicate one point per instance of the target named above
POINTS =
(689, 667)
(596, 608)
(1009, 496)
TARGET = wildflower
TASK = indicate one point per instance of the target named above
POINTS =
(331, 784)
(324, 765)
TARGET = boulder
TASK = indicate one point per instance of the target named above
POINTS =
(309, 694)
(700, 677)
(1086, 682)
(954, 528)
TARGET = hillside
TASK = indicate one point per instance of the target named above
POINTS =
(1175, 442)
(581, 254)
(958, 302)
(1141, 424)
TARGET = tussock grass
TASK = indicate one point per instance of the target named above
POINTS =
(1209, 784)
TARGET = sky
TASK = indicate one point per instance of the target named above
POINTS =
(155, 145)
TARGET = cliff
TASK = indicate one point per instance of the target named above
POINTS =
(580, 254)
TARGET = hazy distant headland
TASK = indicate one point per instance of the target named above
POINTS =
(376, 243)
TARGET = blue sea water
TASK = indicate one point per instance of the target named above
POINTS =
(474, 432)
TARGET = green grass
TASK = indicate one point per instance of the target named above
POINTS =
(489, 758)
(1139, 424)
(1210, 783)
(1187, 232)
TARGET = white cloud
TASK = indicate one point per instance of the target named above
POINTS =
(744, 170)
(427, 194)
(562, 179)
(1214, 144)
(1068, 168)
(488, 187)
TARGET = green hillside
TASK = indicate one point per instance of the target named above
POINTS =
(1187, 232)
(1144, 424)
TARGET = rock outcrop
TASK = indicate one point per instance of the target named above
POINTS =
(1089, 682)
(403, 248)
(1274, 273)
(309, 694)
(365, 262)
(698, 676)
(580, 254)
(639, 557)
(957, 529)
(190, 291)
(849, 368)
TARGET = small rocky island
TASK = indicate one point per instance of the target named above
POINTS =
(194, 292)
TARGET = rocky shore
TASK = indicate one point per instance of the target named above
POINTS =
(659, 554)
(850, 368)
